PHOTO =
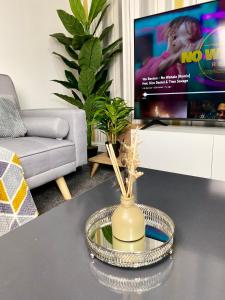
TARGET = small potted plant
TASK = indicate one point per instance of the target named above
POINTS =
(112, 117)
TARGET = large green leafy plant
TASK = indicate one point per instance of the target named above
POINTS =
(90, 56)
(112, 117)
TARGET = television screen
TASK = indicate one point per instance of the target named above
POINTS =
(180, 63)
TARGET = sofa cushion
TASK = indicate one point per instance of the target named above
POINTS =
(11, 124)
(7, 89)
(50, 127)
(39, 155)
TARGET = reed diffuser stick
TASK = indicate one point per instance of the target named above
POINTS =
(132, 167)
(116, 169)
(131, 163)
(115, 161)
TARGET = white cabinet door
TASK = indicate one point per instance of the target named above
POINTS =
(218, 166)
(177, 152)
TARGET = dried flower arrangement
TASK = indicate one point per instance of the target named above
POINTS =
(131, 162)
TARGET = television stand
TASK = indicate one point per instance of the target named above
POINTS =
(154, 122)
(189, 150)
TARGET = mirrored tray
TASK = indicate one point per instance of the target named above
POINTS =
(157, 243)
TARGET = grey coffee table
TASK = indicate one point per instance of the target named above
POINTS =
(48, 258)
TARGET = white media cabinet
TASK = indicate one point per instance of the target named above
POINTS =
(190, 150)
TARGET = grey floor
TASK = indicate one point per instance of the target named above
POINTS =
(48, 196)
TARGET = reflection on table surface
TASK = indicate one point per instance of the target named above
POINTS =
(130, 282)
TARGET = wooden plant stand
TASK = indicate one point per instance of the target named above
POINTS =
(101, 159)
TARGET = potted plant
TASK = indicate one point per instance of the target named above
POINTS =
(90, 56)
(112, 117)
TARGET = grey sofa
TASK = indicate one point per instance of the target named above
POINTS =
(44, 158)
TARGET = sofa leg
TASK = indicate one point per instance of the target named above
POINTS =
(62, 185)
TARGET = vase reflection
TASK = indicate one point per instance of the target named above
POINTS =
(153, 239)
(129, 282)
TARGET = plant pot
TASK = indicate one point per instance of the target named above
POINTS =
(128, 222)
(116, 148)
(92, 151)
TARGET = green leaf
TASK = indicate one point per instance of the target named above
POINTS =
(86, 81)
(69, 63)
(76, 96)
(61, 38)
(72, 25)
(111, 109)
(100, 78)
(71, 100)
(107, 232)
(71, 52)
(66, 84)
(115, 44)
(91, 54)
(78, 10)
(90, 107)
(106, 31)
(101, 17)
(101, 91)
(71, 78)
(111, 53)
(102, 74)
(96, 8)
(108, 58)
(79, 40)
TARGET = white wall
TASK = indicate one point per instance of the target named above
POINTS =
(26, 50)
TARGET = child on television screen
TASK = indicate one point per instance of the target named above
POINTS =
(183, 34)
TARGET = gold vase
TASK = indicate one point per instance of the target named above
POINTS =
(128, 223)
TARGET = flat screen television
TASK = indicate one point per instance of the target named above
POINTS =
(180, 64)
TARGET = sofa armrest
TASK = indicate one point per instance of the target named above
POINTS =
(77, 127)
